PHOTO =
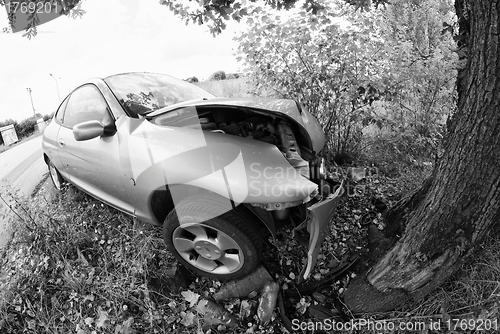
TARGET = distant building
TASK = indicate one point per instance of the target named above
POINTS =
(9, 134)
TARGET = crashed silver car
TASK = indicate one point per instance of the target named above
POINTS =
(215, 172)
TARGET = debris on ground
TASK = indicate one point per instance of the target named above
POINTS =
(267, 302)
(104, 268)
(244, 286)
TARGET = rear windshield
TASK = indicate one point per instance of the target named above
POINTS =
(143, 93)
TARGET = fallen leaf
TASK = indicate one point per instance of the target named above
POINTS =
(103, 320)
(302, 306)
(188, 318)
(216, 314)
(190, 297)
(88, 321)
(171, 319)
(126, 327)
(201, 308)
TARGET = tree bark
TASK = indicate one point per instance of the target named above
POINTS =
(456, 208)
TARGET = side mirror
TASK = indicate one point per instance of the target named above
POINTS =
(88, 130)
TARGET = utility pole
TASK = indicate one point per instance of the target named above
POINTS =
(57, 86)
(32, 105)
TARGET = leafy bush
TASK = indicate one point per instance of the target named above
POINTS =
(321, 64)
(420, 90)
(341, 71)
(219, 75)
(47, 117)
(192, 79)
(231, 76)
(26, 127)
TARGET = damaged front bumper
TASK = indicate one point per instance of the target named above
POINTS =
(319, 216)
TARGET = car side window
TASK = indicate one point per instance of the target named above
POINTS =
(85, 104)
(60, 111)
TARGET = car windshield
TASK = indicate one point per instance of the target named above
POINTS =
(143, 93)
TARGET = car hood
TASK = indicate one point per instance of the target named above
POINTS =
(244, 170)
(288, 109)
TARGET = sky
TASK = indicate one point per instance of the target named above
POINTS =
(114, 36)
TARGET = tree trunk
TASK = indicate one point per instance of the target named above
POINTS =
(461, 202)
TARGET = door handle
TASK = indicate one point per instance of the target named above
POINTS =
(62, 143)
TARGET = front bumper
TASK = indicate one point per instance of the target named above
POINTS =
(318, 219)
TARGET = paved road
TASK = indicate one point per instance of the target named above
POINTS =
(21, 170)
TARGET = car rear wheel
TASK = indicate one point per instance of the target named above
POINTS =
(57, 179)
(225, 247)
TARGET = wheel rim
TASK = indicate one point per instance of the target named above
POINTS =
(208, 249)
(54, 176)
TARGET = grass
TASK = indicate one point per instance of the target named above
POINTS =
(475, 291)
(468, 303)
(76, 265)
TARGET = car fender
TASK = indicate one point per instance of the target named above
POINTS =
(244, 169)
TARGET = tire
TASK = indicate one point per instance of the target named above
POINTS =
(226, 247)
(56, 177)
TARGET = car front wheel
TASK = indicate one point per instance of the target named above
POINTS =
(225, 247)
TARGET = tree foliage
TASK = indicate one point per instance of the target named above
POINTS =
(421, 68)
(437, 227)
(311, 58)
(420, 90)
(70, 8)
(215, 13)
(217, 76)
(26, 127)
(191, 79)
(339, 61)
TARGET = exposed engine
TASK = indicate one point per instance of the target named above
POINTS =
(276, 132)
(243, 123)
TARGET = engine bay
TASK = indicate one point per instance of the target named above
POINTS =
(245, 123)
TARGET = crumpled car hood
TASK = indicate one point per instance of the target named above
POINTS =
(278, 107)
(241, 169)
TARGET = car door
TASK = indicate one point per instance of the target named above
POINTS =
(50, 138)
(92, 164)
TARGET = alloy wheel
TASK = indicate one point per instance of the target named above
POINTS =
(208, 249)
